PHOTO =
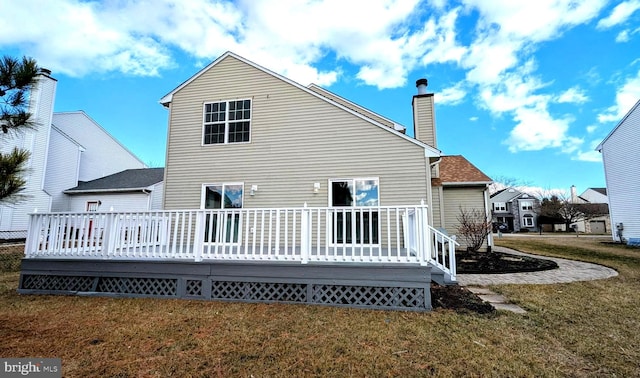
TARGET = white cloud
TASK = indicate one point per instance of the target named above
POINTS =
(536, 130)
(591, 156)
(451, 96)
(473, 119)
(591, 129)
(627, 96)
(620, 14)
(572, 95)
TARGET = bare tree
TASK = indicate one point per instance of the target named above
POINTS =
(559, 207)
(503, 182)
(474, 226)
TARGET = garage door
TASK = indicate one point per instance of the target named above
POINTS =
(597, 227)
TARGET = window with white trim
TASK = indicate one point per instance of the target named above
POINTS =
(222, 196)
(526, 205)
(360, 226)
(227, 122)
(93, 205)
(527, 220)
(499, 206)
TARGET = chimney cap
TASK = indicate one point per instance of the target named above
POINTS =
(44, 71)
(422, 81)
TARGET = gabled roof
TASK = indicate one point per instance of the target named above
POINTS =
(130, 180)
(166, 99)
(456, 170)
(633, 108)
(602, 191)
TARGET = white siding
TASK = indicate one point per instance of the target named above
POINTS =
(621, 156)
(62, 169)
(122, 202)
(297, 140)
(156, 196)
(104, 155)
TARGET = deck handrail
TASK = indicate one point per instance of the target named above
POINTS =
(379, 234)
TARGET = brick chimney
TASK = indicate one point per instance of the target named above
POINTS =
(424, 124)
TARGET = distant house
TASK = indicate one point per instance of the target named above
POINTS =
(235, 125)
(621, 157)
(129, 190)
(513, 210)
(66, 148)
(593, 200)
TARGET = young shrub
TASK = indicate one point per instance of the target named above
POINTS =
(474, 227)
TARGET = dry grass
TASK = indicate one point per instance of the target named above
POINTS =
(578, 329)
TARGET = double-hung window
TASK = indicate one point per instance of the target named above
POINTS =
(499, 206)
(227, 122)
(527, 220)
(223, 197)
(356, 220)
(526, 205)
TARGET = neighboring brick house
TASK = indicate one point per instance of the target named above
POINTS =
(513, 211)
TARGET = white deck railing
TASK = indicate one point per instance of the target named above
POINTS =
(384, 234)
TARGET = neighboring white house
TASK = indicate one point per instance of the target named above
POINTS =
(129, 190)
(596, 197)
(621, 156)
(65, 148)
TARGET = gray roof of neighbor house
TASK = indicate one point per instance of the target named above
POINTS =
(602, 191)
(126, 181)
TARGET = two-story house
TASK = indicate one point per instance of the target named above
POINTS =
(513, 210)
(241, 132)
(66, 149)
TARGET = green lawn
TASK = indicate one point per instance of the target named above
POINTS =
(578, 329)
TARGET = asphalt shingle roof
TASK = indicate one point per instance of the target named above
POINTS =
(130, 179)
(457, 169)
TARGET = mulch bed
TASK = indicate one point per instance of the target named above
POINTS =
(458, 299)
(498, 262)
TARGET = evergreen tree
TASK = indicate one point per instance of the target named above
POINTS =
(16, 78)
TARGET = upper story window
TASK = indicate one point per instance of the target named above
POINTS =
(227, 122)
(499, 206)
(526, 205)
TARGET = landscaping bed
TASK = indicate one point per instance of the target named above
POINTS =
(499, 262)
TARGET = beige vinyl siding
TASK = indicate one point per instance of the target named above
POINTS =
(297, 139)
(351, 106)
(436, 206)
(465, 197)
(424, 119)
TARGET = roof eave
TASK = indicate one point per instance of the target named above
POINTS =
(118, 190)
(467, 183)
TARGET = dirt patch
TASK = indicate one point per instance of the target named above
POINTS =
(459, 299)
(499, 262)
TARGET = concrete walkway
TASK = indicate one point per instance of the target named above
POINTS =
(568, 271)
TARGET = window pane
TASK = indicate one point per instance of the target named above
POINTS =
(214, 133)
(232, 106)
(213, 197)
(247, 114)
(239, 132)
(247, 104)
(341, 193)
(367, 193)
(232, 196)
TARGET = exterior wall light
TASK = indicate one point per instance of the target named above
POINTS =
(254, 189)
(316, 187)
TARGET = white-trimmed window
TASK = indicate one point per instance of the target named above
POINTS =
(360, 193)
(93, 205)
(499, 206)
(527, 220)
(222, 196)
(526, 205)
(227, 122)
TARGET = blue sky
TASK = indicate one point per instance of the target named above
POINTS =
(524, 89)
